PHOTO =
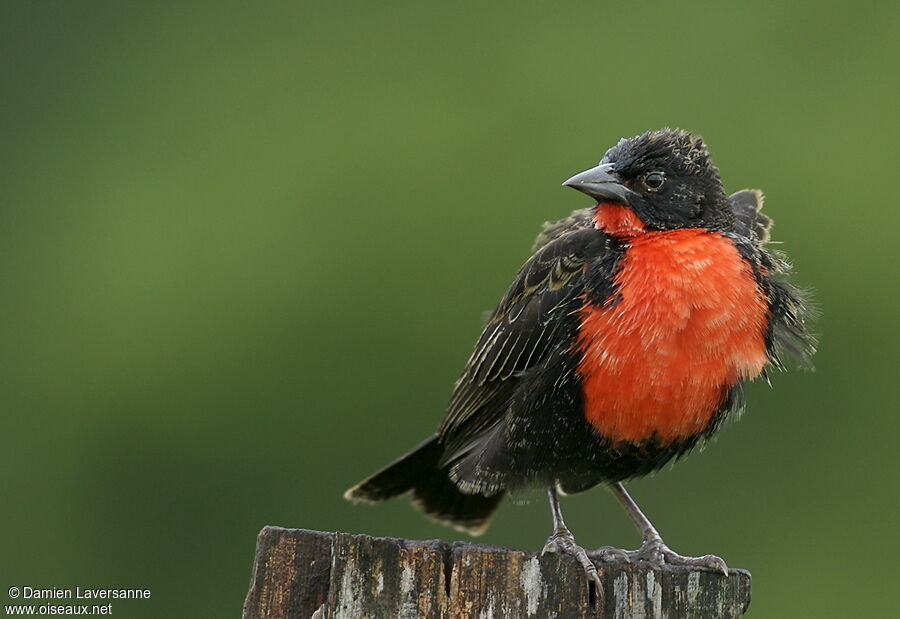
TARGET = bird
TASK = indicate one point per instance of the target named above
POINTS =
(621, 344)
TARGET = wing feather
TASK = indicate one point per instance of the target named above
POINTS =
(751, 221)
(521, 331)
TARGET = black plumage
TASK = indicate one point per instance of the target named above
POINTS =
(516, 417)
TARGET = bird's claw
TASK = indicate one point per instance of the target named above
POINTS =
(657, 554)
(611, 554)
(563, 542)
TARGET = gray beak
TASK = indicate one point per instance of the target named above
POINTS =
(602, 184)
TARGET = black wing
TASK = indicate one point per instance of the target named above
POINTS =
(520, 333)
(580, 219)
(747, 207)
(790, 307)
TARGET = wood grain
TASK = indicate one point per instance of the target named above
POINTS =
(301, 574)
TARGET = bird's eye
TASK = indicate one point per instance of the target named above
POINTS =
(655, 180)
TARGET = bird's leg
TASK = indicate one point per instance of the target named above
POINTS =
(653, 550)
(563, 541)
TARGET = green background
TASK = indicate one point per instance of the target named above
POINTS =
(245, 249)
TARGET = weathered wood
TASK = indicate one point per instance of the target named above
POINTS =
(300, 574)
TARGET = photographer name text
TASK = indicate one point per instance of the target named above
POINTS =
(84, 593)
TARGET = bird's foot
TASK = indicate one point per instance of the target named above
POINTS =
(563, 541)
(654, 552)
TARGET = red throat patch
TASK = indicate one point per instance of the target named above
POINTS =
(617, 220)
(688, 323)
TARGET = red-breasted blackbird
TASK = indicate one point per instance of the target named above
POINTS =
(622, 343)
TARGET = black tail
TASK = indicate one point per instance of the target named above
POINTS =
(431, 489)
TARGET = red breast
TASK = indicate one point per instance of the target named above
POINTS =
(688, 322)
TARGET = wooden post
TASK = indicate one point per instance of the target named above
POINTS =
(312, 574)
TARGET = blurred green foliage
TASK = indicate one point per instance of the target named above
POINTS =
(245, 249)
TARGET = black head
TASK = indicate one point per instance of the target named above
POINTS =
(666, 177)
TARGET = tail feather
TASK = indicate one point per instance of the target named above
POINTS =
(432, 490)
